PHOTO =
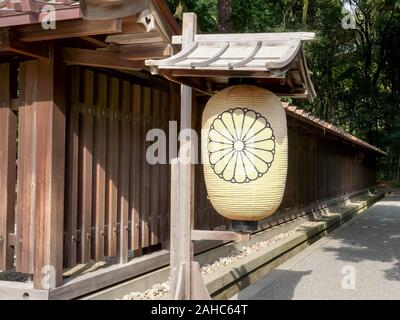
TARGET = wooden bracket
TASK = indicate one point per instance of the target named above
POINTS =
(219, 235)
(100, 59)
(147, 20)
(9, 42)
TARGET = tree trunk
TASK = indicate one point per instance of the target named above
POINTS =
(224, 14)
(305, 12)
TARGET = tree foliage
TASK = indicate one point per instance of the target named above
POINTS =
(354, 60)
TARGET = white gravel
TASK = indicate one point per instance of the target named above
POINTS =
(161, 289)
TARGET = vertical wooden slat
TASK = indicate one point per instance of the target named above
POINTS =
(154, 172)
(20, 170)
(124, 173)
(112, 168)
(49, 204)
(173, 116)
(71, 211)
(100, 141)
(135, 168)
(87, 167)
(164, 186)
(175, 226)
(145, 184)
(8, 129)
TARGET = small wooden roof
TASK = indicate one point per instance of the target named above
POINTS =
(116, 34)
(274, 60)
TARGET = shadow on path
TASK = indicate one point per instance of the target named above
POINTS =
(374, 237)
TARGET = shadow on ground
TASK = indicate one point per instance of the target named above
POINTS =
(276, 291)
(374, 237)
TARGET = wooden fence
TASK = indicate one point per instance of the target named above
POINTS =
(79, 179)
(115, 200)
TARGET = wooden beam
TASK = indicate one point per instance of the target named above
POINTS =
(94, 41)
(135, 38)
(102, 278)
(226, 37)
(130, 25)
(32, 18)
(217, 73)
(68, 29)
(9, 42)
(100, 59)
(146, 51)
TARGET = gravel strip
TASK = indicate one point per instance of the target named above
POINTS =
(13, 275)
(161, 289)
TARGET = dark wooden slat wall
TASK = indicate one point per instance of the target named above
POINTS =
(129, 198)
(114, 200)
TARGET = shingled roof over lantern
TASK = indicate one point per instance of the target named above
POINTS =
(210, 62)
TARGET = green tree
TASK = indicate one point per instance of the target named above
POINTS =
(354, 67)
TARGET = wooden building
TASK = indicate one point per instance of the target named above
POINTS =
(76, 103)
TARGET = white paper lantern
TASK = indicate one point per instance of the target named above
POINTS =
(244, 152)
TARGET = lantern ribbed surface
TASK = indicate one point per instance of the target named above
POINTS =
(244, 152)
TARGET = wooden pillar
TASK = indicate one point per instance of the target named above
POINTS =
(50, 172)
(49, 169)
(8, 122)
(186, 278)
(182, 189)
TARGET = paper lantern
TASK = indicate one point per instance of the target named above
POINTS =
(244, 152)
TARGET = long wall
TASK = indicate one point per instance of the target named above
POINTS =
(115, 203)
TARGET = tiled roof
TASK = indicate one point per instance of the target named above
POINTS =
(328, 127)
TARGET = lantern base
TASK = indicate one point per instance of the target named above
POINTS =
(244, 226)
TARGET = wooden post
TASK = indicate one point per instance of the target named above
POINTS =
(50, 171)
(185, 274)
(8, 130)
(175, 229)
(181, 189)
